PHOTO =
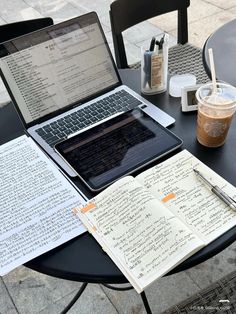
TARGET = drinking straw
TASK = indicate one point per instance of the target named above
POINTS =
(213, 72)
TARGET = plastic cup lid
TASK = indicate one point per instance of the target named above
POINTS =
(180, 80)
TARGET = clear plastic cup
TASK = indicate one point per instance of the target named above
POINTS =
(215, 113)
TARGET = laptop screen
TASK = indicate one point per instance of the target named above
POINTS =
(56, 67)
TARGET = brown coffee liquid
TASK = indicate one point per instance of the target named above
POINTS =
(212, 130)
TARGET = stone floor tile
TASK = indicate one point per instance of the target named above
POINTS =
(99, 6)
(6, 304)
(167, 22)
(233, 10)
(105, 20)
(215, 268)
(27, 14)
(133, 53)
(125, 301)
(170, 290)
(2, 21)
(32, 291)
(162, 294)
(197, 10)
(223, 4)
(58, 10)
(105, 28)
(8, 6)
(199, 34)
(33, 3)
(93, 300)
(140, 32)
(16, 10)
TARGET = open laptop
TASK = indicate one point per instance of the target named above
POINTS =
(63, 78)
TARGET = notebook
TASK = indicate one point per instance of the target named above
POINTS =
(63, 78)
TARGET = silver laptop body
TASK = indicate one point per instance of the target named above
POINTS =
(63, 78)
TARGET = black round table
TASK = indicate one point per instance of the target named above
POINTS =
(82, 259)
(223, 43)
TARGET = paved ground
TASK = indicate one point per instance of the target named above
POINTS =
(25, 291)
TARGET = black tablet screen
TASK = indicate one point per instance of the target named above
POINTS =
(117, 147)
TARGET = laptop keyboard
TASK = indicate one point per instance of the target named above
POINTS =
(60, 129)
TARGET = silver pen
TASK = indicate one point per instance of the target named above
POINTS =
(216, 190)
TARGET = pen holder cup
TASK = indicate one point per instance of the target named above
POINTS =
(154, 67)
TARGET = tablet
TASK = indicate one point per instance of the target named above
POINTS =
(116, 147)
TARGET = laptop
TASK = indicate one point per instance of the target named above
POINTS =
(63, 78)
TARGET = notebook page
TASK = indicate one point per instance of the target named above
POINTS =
(175, 183)
(142, 237)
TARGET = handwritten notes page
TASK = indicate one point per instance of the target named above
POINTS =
(143, 238)
(175, 183)
(35, 205)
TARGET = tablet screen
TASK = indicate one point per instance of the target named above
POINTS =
(116, 147)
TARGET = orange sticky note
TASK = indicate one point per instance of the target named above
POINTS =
(168, 197)
(86, 208)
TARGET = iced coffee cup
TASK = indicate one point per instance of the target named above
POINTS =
(216, 107)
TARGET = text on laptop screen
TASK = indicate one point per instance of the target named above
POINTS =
(66, 65)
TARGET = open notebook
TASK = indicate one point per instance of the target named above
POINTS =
(151, 223)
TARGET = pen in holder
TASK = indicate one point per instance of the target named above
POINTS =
(154, 65)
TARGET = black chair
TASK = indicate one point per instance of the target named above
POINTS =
(12, 30)
(183, 58)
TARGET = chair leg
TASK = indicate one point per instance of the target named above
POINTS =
(76, 297)
(145, 303)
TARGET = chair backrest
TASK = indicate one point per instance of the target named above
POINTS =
(127, 13)
(12, 30)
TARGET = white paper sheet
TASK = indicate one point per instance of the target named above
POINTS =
(36, 204)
